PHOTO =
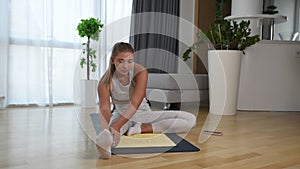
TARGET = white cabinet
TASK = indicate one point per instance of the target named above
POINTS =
(270, 77)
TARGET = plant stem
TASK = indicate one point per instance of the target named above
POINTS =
(220, 35)
(212, 36)
(88, 59)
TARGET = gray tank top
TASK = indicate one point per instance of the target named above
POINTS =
(120, 93)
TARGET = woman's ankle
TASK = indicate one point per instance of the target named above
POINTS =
(146, 128)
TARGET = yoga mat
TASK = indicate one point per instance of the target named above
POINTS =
(181, 145)
(145, 140)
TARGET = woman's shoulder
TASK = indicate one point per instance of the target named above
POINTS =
(104, 86)
(140, 72)
(139, 68)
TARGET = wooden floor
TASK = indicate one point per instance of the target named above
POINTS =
(38, 138)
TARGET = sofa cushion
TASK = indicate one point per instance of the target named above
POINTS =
(177, 81)
(177, 96)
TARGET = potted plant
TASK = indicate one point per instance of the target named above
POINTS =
(90, 29)
(226, 35)
(230, 39)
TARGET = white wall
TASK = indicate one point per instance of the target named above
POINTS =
(286, 8)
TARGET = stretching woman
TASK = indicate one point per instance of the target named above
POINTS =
(125, 82)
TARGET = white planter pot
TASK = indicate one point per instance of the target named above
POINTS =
(224, 76)
(88, 93)
(2, 102)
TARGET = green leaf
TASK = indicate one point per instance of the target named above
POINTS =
(187, 53)
(82, 62)
(94, 66)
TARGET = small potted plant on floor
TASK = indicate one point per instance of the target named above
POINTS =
(90, 29)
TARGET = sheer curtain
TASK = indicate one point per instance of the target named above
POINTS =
(42, 47)
(3, 48)
(116, 14)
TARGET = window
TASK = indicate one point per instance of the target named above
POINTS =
(44, 47)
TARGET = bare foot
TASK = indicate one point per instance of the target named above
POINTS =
(136, 129)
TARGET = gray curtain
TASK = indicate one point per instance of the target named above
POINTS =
(154, 34)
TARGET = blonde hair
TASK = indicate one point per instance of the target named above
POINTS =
(117, 48)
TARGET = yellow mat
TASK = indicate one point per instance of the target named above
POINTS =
(145, 140)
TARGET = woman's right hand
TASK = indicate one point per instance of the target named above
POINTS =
(115, 132)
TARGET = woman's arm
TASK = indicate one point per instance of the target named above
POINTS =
(104, 106)
(139, 92)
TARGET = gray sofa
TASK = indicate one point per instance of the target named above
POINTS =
(177, 88)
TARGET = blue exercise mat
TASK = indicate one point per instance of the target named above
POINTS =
(181, 144)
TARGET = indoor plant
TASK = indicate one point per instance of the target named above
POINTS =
(230, 39)
(226, 35)
(90, 29)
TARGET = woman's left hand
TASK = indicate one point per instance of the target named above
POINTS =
(115, 131)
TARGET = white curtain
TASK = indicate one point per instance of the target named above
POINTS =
(116, 14)
(4, 29)
(43, 46)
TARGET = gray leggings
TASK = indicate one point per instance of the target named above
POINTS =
(165, 121)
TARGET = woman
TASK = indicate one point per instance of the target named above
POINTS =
(125, 84)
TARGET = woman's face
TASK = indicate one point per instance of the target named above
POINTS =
(123, 62)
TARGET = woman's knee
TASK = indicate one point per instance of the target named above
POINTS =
(190, 118)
